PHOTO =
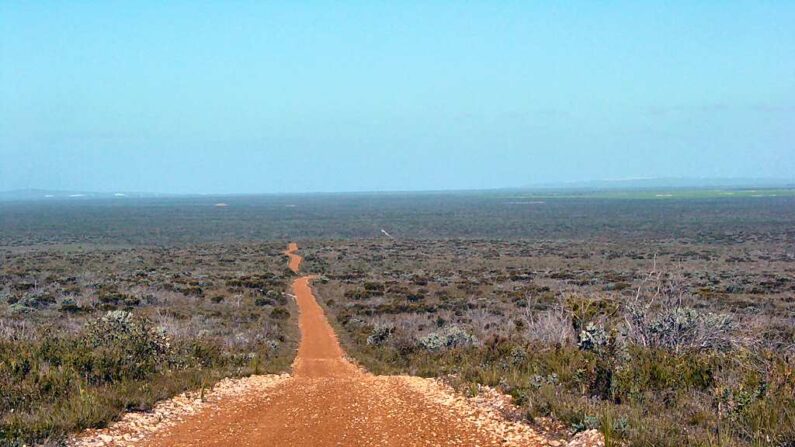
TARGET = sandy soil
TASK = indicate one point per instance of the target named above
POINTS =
(329, 401)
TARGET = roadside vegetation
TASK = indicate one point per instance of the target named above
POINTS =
(86, 334)
(681, 348)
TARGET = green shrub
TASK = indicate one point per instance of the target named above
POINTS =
(447, 338)
(69, 304)
(124, 346)
(379, 335)
(37, 300)
(262, 301)
(280, 313)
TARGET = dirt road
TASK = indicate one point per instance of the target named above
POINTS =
(294, 262)
(328, 401)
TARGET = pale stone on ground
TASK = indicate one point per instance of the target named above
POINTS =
(135, 427)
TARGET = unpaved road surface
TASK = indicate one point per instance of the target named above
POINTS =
(295, 261)
(329, 401)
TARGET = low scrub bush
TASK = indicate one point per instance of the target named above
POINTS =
(54, 384)
(379, 335)
(447, 338)
(280, 313)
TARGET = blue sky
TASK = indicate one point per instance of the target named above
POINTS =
(230, 96)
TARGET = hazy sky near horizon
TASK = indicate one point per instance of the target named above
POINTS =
(229, 96)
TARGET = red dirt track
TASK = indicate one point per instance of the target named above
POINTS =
(329, 401)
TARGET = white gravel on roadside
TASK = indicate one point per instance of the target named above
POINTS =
(135, 427)
(494, 412)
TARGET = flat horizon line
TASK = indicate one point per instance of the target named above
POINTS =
(636, 183)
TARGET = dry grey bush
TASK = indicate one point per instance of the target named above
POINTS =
(17, 329)
(177, 328)
(660, 315)
(551, 327)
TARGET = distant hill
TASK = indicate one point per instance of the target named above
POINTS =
(669, 183)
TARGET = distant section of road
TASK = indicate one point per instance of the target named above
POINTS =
(295, 260)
